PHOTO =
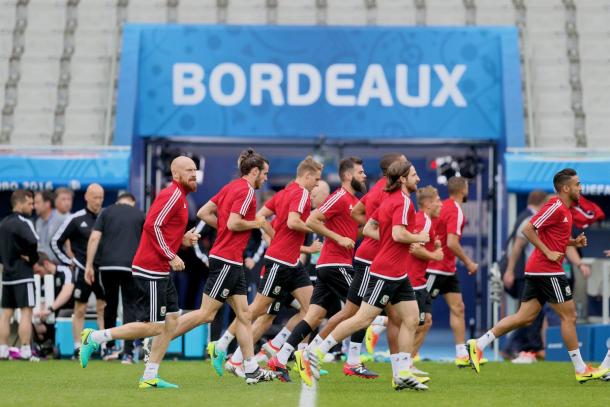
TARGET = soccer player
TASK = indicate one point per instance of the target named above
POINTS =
(442, 278)
(157, 303)
(333, 221)
(429, 203)
(393, 223)
(282, 274)
(76, 229)
(362, 261)
(232, 211)
(18, 253)
(545, 280)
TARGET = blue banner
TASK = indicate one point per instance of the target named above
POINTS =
(341, 82)
(39, 170)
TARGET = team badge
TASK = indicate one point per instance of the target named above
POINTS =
(77, 293)
(225, 293)
(568, 290)
(422, 316)
(276, 307)
(384, 300)
(276, 289)
(162, 311)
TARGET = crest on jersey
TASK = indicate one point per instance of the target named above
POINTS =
(422, 316)
(568, 290)
(225, 293)
(384, 300)
(162, 311)
(77, 293)
(276, 307)
(276, 289)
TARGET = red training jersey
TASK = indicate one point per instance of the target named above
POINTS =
(162, 234)
(369, 247)
(554, 226)
(391, 260)
(451, 220)
(235, 197)
(285, 247)
(337, 210)
(416, 267)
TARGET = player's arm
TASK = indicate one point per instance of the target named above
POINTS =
(359, 213)
(371, 229)
(400, 234)
(295, 222)
(576, 261)
(28, 241)
(453, 243)
(92, 246)
(314, 247)
(315, 222)
(530, 234)
(265, 213)
(518, 246)
(209, 214)
(59, 240)
(578, 241)
(422, 253)
(65, 294)
(237, 223)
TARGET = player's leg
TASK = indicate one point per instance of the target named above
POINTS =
(457, 324)
(408, 312)
(5, 323)
(78, 321)
(25, 332)
(111, 284)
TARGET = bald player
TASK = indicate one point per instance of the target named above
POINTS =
(157, 300)
(76, 229)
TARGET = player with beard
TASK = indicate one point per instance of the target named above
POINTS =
(442, 277)
(394, 225)
(333, 221)
(232, 211)
(157, 303)
(550, 231)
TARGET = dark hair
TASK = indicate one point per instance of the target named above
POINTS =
(455, 185)
(249, 159)
(387, 160)
(562, 178)
(19, 196)
(396, 170)
(536, 197)
(348, 164)
(126, 195)
(46, 195)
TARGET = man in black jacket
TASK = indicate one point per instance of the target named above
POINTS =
(112, 245)
(77, 229)
(18, 252)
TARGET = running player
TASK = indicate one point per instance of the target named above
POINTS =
(232, 211)
(334, 270)
(550, 231)
(281, 274)
(157, 303)
(442, 278)
(393, 223)
(429, 204)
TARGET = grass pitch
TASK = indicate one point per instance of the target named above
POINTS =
(64, 383)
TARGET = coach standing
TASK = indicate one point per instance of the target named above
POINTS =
(18, 252)
(116, 236)
(77, 229)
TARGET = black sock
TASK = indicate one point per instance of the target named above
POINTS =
(299, 333)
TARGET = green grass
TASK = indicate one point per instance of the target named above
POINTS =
(108, 384)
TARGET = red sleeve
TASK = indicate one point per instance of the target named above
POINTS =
(546, 216)
(270, 204)
(454, 220)
(299, 199)
(242, 201)
(375, 215)
(160, 212)
(400, 213)
(365, 198)
(332, 205)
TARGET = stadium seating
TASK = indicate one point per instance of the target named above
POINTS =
(57, 56)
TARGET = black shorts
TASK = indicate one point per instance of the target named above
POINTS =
(156, 299)
(19, 295)
(381, 291)
(362, 273)
(279, 278)
(225, 280)
(424, 303)
(439, 284)
(333, 283)
(554, 289)
(82, 290)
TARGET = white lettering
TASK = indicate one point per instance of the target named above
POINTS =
(266, 77)
(449, 89)
(294, 97)
(402, 84)
(239, 84)
(334, 84)
(376, 86)
(187, 76)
